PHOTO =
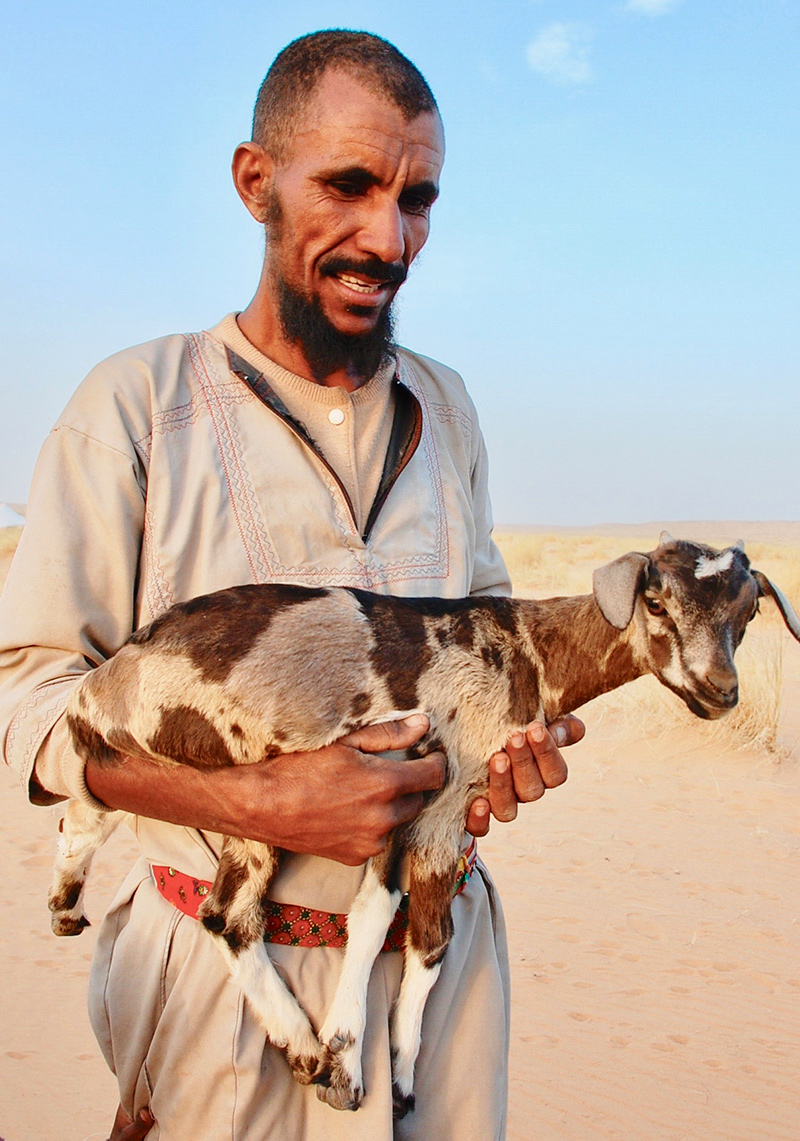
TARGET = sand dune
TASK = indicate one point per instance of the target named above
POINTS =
(654, 920)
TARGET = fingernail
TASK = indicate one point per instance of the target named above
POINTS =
(416, 721)
(500, 763)
(537, 731)
(481, 809)
(517, 740)
(560, 735)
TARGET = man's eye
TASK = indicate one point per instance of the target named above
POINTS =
(348, 189)
(415, 205)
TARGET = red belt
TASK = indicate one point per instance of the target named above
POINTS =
(296, 926)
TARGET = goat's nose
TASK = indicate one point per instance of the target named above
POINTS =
(724, 682)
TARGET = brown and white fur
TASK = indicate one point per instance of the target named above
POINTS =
(215, 682)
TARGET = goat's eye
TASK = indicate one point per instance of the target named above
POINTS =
(756, 611)
(654, 606)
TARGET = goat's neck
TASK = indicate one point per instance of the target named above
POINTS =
(580, 655)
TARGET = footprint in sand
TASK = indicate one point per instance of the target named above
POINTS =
(540, 1039)
(19, 1055)
(620, 1042)
(644, 926)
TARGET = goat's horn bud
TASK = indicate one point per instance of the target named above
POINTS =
(664, 538)
(738, 545)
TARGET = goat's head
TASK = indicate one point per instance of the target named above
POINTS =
(690, 605)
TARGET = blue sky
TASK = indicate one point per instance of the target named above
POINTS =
(614, 264)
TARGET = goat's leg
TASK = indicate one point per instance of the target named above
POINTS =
(82, 830)
(233, 912)
(343, 1030)
(430, 928)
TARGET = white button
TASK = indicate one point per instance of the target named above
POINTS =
(336, 416)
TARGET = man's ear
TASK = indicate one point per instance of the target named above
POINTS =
(616, 586)
(253, 170)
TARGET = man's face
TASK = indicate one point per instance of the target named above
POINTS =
(349, 206)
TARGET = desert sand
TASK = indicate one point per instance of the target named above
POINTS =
(654, 920)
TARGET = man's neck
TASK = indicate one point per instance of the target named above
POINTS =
(260, 324)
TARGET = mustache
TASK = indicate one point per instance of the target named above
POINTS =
(387, 273)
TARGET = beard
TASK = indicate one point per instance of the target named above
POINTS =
(304, 323)
(326, 349)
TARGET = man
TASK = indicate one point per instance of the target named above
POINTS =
(292, 442)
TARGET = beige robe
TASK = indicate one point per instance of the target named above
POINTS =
(170, 474)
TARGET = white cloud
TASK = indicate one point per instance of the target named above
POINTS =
(561, 53)
(652, 7)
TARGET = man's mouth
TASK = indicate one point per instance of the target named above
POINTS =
(361, 286)
(371, 278)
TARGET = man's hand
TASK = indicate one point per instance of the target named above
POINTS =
(126, 1130)
(363, 797)
(529, 765)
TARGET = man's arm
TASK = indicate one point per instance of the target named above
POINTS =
(339, 802)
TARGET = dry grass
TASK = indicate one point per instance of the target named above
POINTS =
(542, 565)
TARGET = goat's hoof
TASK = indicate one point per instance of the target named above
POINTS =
(341, 1095)
(309, 1069)
(68, 924)
(339, 1042)
(402, 1103)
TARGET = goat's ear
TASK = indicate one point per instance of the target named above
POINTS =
(765, 587)
(616, 586)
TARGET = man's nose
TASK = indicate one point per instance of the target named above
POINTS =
(381, 234)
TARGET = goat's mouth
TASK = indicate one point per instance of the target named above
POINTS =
(710, 706)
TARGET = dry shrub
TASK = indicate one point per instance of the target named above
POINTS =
(564, 565)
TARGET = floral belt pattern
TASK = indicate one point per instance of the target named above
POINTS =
(292, 925)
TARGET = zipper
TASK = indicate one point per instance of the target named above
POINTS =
(403, 441)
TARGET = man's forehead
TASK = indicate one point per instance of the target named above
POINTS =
(345, 114)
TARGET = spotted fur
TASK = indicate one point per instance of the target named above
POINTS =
(217, 679)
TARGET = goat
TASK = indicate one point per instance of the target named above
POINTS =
(224, 668)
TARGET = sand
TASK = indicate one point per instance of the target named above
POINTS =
(654, 919)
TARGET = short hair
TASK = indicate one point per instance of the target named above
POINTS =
(296, 71)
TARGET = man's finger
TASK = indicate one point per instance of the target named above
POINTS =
(426, 774)
(388, 735)
(479, 817)
(406, 808)
(567, 730)
(527, 780)
(551, 765)
(127, 1130)
(502, 797)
